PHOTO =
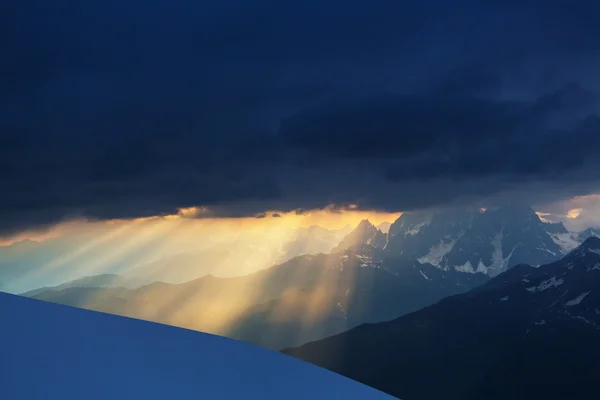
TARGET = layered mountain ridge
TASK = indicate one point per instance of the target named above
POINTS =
(527, 333)
(369, 276)
(304, 299)
(24, 264)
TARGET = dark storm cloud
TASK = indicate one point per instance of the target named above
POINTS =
(116, 109)
(398, 126)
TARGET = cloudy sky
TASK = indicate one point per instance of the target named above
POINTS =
(134, 108)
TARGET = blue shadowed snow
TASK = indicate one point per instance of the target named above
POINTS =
(50, 351)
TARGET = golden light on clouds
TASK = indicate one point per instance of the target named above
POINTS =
(329, 218)
(184, 246)
(574, 213)
(542, 216)
(339, 219)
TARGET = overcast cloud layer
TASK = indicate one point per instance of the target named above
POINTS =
(130, 108)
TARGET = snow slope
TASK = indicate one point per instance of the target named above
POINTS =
(54, 351)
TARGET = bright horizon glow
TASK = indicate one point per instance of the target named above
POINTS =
(327, 218)
(181, 248)
(188, 245)
(174, 248)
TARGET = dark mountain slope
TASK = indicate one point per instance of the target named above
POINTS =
(529, 333)
(360, 291)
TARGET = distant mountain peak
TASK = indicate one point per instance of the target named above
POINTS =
(365, 223)
(365, 233)
(492, 241)
(589, 232)
(591, 243)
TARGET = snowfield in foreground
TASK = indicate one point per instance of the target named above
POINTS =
(54, 351)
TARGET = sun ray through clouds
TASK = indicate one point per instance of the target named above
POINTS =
(212, 274)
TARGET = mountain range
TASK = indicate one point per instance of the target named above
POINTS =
(29, 265)
(487, 241)
(528, 333)
(365, 277)
(454, 304)
(306, 298)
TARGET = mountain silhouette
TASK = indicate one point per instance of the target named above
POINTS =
(528, 333)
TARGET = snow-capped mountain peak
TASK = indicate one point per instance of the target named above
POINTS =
(590, 232)
(489, 241)
(427, 237)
